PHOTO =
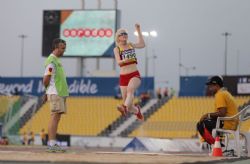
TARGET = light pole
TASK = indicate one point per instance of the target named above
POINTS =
(237, 61)
(179, 53)
(226, 34)
(154, 58)
(147, 35)
(187, 69)
(22, 36)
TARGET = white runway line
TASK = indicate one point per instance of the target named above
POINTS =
(152, 153)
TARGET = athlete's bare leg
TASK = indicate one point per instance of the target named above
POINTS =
(124, 93)
(122, 108)
(134, 83)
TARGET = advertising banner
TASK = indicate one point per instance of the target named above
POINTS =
(88, 33)
(77, 86)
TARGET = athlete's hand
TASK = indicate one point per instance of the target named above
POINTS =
(137, 27)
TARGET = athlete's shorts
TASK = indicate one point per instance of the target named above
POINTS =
(124, 79)
(57, 104)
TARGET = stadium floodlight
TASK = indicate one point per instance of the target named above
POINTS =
(145, 33)
(153, 33)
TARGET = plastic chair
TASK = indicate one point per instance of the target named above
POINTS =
(246, 135)
(241, 116)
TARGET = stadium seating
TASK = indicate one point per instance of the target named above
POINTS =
(6, 102)
(178, 117)
(86, 116)
(4, 105)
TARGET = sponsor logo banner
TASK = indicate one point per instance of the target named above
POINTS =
(77, 86)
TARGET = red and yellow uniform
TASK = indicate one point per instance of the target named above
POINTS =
(128, 54)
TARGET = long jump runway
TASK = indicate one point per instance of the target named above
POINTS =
(37, 155)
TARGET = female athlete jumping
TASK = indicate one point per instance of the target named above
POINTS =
(130, 78)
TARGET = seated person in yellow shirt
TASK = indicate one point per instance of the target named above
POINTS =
(225, 106)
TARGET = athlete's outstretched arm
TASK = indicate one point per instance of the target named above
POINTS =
(140, 42)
